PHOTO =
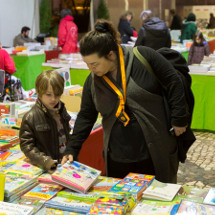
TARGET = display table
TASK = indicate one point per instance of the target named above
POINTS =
(185, 54)
(77, 76)
(203, 88)
(28, 68)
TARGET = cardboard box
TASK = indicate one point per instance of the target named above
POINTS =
(72, 103)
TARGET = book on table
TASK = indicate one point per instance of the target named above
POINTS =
(76, 176)
(210, 198)
(161, 191)
(134, 183)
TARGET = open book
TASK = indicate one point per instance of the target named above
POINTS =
(161, 191)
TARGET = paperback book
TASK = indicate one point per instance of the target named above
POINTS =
(210, 198)
(193, 194)
(161, 191)
(25, 168)
(189, 208)
(101, 209)
(43, 191)
(46, 178)
(134, 183)
(14, 209)
(76, 176)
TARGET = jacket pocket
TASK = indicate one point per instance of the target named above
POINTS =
(42, 127)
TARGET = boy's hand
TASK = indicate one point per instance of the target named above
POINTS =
(66, 158)
(179, 130)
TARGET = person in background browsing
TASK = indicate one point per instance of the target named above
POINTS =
(129, 98)
(154, 32)
(67, 33)
(45, 129)
(198, 49)
(6, 63)
(124, 27)
(22, 38)
(176, 20)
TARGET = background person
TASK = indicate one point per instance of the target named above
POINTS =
(124, 27)
(198, 49)
(67, 33)
(176, 20)
(22, 38)
(154, 32)
(136, 135)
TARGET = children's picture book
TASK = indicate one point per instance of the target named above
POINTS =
(194, 208)
(68, 204)
(15, 182)
(134, 183)
(161, 191)
(43, 191)
(52, 211)
(4, 146)
(14, 209)
(35, 203)
(76, 176)
(104, 183)
(193, 194)
(210, 198)
(46, 178)
(105, 209)
(25, 168)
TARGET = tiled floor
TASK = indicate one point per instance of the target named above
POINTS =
(199, 168)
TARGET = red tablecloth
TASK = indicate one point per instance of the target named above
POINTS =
(51, 54)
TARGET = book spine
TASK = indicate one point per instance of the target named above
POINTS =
(2, 184)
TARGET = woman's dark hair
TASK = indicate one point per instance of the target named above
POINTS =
(200, 36)
(102, 40)
(126, 13)
(65, 12)
(191, 17)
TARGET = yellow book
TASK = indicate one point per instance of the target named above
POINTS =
(2, 183)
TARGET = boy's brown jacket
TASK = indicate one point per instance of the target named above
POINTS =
(39, 136)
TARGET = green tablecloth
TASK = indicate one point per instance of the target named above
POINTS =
(204, 110)
(28, 68)
(77, 76)
(185, 54)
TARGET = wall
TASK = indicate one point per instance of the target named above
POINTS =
(14, 14)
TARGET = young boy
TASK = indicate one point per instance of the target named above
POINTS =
(45, 129)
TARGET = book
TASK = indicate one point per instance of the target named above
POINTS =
(25, 168)
(192, 208)
(104, 183)
(161, 191)
(68, 204)
(14, 209)
(35, 203)
(210, 198)
(134, 183)
(46, 178)
(76, 176)
(2, 184)
(43, 191)
(193, 194)
(15, 182)
(101, 209)
(52, 211)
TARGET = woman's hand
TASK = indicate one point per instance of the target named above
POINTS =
(179, 130)
(66, 158)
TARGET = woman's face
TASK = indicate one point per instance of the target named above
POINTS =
(100, 65)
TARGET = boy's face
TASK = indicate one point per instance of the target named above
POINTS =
(49, 99)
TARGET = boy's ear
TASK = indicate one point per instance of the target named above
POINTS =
(112, 55)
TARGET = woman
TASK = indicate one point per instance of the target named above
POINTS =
(136, 136)
(124, 27)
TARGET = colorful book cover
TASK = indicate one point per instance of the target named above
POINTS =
(210, 198)
(14, 209)
(35, 203)
(4, 146)
(193, 194)
(2, 185)
(101, 209)
(76, 176)
(194, 208)
(52, 211)
(15, 182)
(161, 191)
(5, 165)
(105, 183)
(46, 178)
(134, 183)
(68, 204)
(4, 155)
(43, 191)
(25, 168)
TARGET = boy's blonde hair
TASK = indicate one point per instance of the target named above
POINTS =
(52, 78)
